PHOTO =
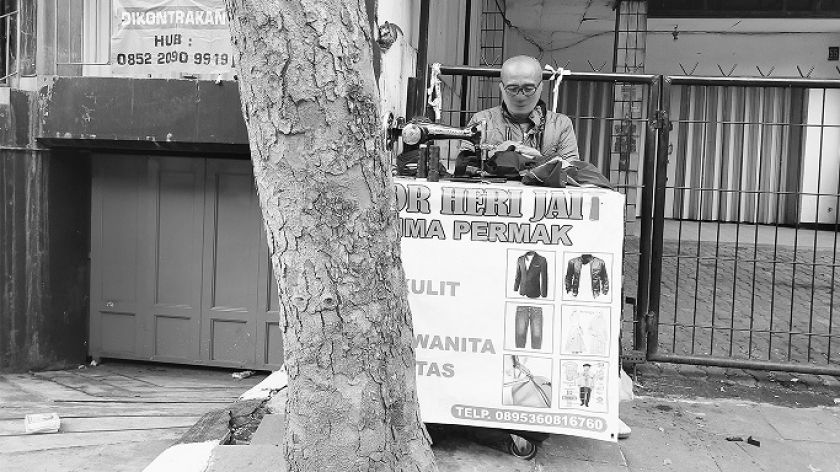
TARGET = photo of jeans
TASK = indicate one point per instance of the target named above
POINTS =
(527, 315)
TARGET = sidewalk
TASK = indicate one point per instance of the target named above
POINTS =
(672, 430)
(116, 417)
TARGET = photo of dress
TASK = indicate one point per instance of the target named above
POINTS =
(585, 330)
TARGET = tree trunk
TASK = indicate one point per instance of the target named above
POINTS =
(310, 102)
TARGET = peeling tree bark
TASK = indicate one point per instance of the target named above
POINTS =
(310, 102)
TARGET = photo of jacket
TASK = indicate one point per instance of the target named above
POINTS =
(598, 271)
(531, 278)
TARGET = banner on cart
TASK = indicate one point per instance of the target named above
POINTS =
(166, 37)
(516, 298)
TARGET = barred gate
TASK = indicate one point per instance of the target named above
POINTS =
(746, 227)
(731, 249)
(614, 119)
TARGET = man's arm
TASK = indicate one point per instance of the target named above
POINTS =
(466, 146)
(562, 133)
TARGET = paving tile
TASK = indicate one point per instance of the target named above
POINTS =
(821, 456)
(672, 448)
(560, 448)
(804, 424)
(456, 454)
(732, 419)
(776, 455)
(730, 456)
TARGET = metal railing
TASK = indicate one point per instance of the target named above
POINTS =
(732, 248)
(10, 50)
(622, 147)
(746, 228)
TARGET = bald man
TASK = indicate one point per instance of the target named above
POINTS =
(522, 120)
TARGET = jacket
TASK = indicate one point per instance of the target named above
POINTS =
(598, 270)
(531, 281)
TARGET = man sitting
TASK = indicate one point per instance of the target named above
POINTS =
(522, 121)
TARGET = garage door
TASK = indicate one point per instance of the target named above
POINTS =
(180, 268)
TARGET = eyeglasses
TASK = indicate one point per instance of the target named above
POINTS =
(526, 90)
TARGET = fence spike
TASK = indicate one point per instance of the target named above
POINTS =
(557, 64)
(692, 70)
(808, 75)
(768, 73)
(495, 61)
(730, 70)
(593, 67)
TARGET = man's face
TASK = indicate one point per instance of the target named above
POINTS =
(521, 104)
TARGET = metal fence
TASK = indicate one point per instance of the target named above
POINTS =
(731, 249)
(747, 229)
(613, 116)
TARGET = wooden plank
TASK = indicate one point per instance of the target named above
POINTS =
(17, 411)
(40, 442)
(81, 383)
(10, 392)
(108, 423)
(192, 381)
(41, 389)
(100, 400)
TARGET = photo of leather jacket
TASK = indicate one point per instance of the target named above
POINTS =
(531, 275)
(597, 269)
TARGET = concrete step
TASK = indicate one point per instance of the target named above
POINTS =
(249, 458)
(271, 431)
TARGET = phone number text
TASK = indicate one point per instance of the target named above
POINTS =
(173, 57)
(560, 420)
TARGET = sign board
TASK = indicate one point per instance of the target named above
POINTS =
(166, 37)
(515, 293)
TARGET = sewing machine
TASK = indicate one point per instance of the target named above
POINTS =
(416, 136)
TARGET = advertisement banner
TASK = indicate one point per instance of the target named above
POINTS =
(170, 37)
(515, 293)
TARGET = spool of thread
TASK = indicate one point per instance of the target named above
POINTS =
(421, 161)
(434, 164)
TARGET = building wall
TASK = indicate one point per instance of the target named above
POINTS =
(578, 36)
(743, 48)
(44, 271)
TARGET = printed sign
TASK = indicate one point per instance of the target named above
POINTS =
(515, 295)
(162, 37)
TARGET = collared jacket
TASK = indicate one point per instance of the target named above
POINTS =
(556, 140)
(598, 271)
(531, 280)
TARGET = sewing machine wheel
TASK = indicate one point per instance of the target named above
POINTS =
(521, 447)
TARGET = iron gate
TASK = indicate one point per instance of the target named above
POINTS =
(616, 123)
(745, 237)
(731, 248)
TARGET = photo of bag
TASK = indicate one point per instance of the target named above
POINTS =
(533, 391)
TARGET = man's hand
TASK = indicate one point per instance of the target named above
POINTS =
(523, 149)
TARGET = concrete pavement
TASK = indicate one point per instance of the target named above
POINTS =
(673, 430)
